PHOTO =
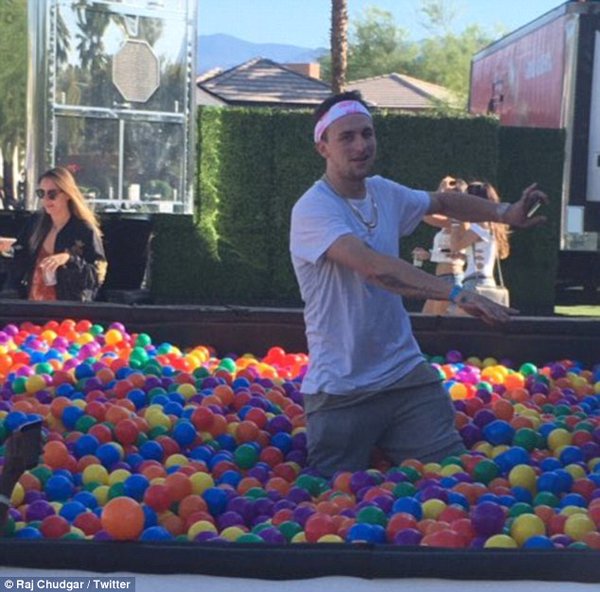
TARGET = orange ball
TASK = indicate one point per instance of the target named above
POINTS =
(123, 519)
(56, 454)
(178, 486)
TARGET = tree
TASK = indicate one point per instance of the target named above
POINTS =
(13, 75)
(377, 46)
(339, 44)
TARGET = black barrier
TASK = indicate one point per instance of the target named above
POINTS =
(231, 329)
(303, 561)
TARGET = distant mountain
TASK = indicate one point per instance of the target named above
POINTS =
(225, 51)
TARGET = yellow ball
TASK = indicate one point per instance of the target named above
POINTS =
(35, 383)
(95, 474)
(488, 362)
(571, 510)
(80, 403)
(118, 476)
(523, 476)
(432, 467)
(176, 460)
(299, 537)
(559, 437)
(578, 525)
(159, 420)
(458, 391)
(499, 450)
(526, 526)
(187, 390)
(232, 533)
(450, 470)
(485, 448)
(200, 526)
(432, 508)
(113, 336)
(201, 482)
(101, 494)
(575, 471)
(500, 541)
(330, 538)
(18, 495)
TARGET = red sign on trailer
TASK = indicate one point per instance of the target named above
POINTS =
(523, 82)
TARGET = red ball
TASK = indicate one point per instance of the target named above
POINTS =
(158, 498)
(444, 538)
(203, 418)
(54, 527)
(126, 432)
(88, 522)
(319, 525)
(398, 522)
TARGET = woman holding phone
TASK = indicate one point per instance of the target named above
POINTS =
(59, 255)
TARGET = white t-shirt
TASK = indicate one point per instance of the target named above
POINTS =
(481, 255)
(359, 335)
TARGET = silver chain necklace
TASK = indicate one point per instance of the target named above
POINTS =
(369, 224)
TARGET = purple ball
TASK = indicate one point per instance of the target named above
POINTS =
(228, 519)
(297, 495)
(487, 519)
(408, 537)
(302, 514)
(360, 480)
(102, 535)
(38, 510)
(272, 535)
(483, 417)
(204, 537)
(470, 434)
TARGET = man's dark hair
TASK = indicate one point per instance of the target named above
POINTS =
(329, 102)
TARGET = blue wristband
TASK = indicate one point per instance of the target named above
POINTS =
(454, 293)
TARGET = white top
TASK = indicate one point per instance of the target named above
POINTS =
(481, 255)
(440, 251)
(359, 335)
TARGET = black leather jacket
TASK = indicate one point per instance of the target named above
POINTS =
(83, 274)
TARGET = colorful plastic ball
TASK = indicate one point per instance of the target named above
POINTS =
(487, 519)
(58, 488)
(135, 486)
(539, 541)
(54, 527)
(216, 500)
(156, 533)
(123, 518)
(367, 533)
(577, 526)
(526, 526)
(498, 432)
(500, 541)
(71, 510)
(409, 506)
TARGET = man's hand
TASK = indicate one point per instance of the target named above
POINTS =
(420, 254)
(516, 214)
(53, 262)
(483, 308)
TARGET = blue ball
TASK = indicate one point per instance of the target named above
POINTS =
(87, 498)
(184, 433)
(522, 494)
(570, 455)
(283, 441)
(150, 516)
(84, 371)
(538, 541)
(573, 499)
(230, 477)
(408, 505)
(226, 441)
(498, 432)
(550, 464)
(369, 533)
(203, 453)
(86, 444)
(29, 532)
(512, 457)
(70, 415)
(135, 486)
(58, 488)
(156, 533)
(151, 450)
(549, 481)
(173, 408)
(216, 500)
(138, 398)
(108, 454)
(565, 479)
(71, 510)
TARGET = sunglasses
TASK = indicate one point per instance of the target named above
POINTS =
(51, 194)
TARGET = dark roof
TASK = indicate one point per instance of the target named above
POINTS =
(398, 91)
(264, 82)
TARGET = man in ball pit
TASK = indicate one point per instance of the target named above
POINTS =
(368, 384)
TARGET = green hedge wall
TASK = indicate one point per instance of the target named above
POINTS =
(253, 164)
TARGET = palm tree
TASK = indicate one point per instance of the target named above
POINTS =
(339, 44)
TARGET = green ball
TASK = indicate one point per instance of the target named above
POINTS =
(404, 490)
(96, 330)
(72, 536)
(520, 508)
(143, 340)
(84, 423)
(452, 460)
(528, 369)
(19, 385)
(372, 515)
(412, 474)
(260, 527)
(526, 438)
(157, 431)
(256, 493)
(227, 364)
(546, 498)
(288, 529)
(44, 368)
(42, 473)
(485, 471)
(116, 490)
(202, 372)
(249, 537)
(308, 483)
(245, 456)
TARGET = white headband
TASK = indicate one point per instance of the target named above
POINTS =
(338, 110)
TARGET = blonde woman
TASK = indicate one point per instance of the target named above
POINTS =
(483, 242)
(59, 255)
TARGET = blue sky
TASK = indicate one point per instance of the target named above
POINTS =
(306, 22)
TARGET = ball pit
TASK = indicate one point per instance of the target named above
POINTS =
(148, 442)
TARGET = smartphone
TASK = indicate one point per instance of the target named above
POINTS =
(534, 208)
(29, 445)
